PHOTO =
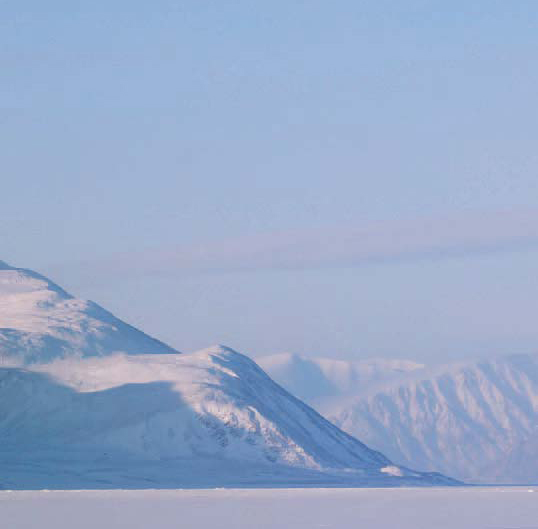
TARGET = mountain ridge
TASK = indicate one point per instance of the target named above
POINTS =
(40, 321)
(470, 419)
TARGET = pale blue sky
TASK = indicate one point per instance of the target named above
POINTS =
(343, 178)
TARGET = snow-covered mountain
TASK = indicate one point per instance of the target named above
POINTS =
(316, 379)
(78, 414)
(39, 321)
(477, 421)
(210, 418)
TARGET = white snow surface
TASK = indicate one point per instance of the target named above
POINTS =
(425, 508)
(477, 420)
(39, 321)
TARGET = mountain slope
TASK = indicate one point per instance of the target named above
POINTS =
(202, 419)
(39, 321)
(477, 421)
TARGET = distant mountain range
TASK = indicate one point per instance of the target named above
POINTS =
(87, 401)
(317, 379)
(477, 421)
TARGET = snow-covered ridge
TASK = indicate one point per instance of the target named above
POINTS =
(208, 418)
(212, 402)
(319, 378)
(475, 420)
(39, 321)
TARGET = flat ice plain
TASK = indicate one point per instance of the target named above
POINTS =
(410, 508)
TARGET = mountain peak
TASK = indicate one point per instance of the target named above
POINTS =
(41, 322)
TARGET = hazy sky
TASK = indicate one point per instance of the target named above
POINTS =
(343, 178)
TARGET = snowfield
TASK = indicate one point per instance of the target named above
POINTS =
(430, 508)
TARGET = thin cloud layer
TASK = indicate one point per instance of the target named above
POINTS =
(345, 246)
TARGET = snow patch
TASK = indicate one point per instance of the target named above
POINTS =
(392, 470)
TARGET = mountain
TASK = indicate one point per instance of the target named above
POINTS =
(477, 421)
(318, 378)
(520, 463)
(75, 413)
(39, 322)
(205, 419)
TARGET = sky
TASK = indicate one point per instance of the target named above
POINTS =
(346, 179)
